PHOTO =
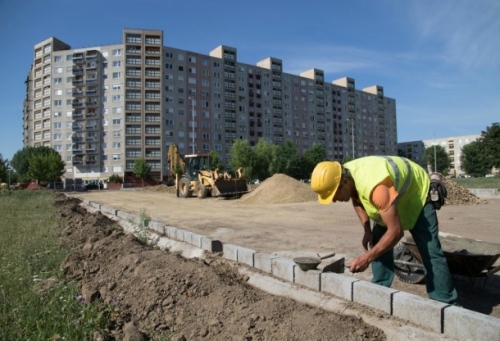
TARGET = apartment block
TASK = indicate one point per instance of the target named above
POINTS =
(104, 107)
(415, 150)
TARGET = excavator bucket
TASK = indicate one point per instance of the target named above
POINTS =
(229, 187)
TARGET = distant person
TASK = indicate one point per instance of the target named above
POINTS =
(394, 193)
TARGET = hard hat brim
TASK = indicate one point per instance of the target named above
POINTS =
(327, 199)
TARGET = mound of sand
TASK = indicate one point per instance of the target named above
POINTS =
(280, 189)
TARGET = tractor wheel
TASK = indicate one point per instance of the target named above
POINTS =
(405, 272)
(202, 191)
(185, 188)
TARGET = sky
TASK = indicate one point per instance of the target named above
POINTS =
(440, 60)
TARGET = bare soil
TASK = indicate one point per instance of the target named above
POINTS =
(156, 291)
(158, 295)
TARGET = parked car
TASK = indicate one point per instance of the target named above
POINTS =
(93, 185)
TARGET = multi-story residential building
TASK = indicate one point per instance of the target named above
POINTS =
(415, 150)
(104, 107)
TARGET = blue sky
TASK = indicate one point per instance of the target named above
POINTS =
(440, 60)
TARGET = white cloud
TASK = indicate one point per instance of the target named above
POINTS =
(467, 31)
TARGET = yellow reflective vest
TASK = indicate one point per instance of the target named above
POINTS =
(410, 180)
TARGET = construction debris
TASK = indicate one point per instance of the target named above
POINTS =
(458, 195)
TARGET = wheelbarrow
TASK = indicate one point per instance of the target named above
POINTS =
(465, 257)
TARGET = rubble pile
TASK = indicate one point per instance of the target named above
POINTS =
(458, 195)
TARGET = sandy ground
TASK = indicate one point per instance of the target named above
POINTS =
(307, 228)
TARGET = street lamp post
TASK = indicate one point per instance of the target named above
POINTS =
(192, 116)
(352, 135)
(435, 160)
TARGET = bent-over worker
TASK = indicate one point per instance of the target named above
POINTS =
(394, 193)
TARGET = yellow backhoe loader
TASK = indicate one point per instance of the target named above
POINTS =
(194, 176)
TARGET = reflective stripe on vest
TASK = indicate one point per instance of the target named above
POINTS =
(397, 179)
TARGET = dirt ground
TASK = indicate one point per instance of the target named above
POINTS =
(281, 217)
(158, 295)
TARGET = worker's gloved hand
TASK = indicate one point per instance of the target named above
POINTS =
(437, 191)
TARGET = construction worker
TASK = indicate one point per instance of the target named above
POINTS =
(394, 193)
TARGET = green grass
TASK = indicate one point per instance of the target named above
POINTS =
(30, 255)
(493, 182)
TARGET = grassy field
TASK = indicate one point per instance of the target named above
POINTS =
(35, 301)
(493, 182)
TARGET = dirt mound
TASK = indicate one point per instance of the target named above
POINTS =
(458, 195)
(280, 189)
(160, 295)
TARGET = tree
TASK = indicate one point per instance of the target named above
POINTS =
(215, 160)
(242, 155)
(442, 160)
(264, 155)
(312, 157)
(21, 163)
(285, 159)
(474, 160)
(40, 163)
(142, 169)
(490, 140)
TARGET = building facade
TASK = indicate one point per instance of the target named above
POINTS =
(415, 150)
(104, 107)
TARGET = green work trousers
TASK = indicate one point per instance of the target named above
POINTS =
(438, 279)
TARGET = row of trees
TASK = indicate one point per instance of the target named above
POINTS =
(267, 158)
(477, 158)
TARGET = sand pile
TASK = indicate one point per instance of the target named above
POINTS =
(280, 189)
(458, 195)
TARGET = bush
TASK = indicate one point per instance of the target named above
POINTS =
(115, 179)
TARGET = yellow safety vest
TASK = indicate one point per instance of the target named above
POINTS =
(410, 180)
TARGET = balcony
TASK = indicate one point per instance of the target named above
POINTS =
(77, 71)
(77, 104)
(91, 104)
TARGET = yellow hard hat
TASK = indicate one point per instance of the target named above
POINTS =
(325, 180)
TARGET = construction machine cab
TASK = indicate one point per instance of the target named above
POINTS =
(195, 163)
